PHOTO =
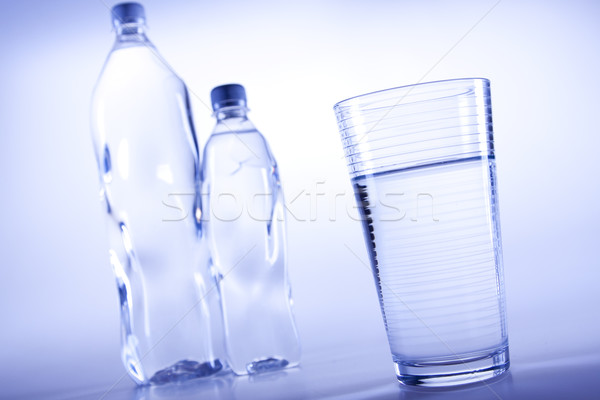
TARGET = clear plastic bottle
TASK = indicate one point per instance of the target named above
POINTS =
(243, 215)
(147, 155)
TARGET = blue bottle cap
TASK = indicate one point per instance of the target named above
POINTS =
(127, 13)
(232, 95)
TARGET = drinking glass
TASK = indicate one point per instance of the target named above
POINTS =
(422, 163)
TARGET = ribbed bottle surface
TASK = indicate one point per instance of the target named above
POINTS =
(416, 125)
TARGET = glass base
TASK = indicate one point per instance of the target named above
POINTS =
(454, 371)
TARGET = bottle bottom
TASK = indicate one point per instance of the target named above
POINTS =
(185, 370)
(458, 371)
(268, 364)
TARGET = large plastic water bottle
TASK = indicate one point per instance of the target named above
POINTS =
(243, 213)
(147, 154)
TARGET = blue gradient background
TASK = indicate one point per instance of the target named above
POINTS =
(59, 311)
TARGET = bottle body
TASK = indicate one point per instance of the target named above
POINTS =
(244, 220)
(147, 156)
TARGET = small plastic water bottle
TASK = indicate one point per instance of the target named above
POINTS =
(147, 155)
(243, 213)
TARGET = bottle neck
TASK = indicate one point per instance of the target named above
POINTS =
(233, 120)
(131, 34)
(228, 113)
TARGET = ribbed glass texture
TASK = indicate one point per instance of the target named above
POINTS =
(416, 125)
(422, 164)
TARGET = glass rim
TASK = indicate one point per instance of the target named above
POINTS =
(376, 92)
